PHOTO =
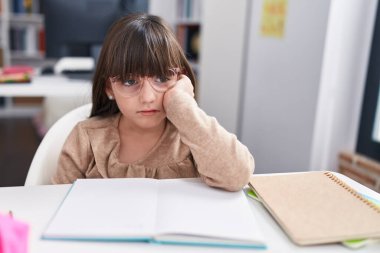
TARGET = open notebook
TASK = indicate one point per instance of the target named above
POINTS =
(170, 211)
(317, 207)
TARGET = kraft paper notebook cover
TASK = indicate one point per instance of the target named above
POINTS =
(169, 211)
(317, 207)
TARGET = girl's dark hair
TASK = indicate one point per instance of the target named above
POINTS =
(138, 44)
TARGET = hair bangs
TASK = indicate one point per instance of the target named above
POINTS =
(154, 52)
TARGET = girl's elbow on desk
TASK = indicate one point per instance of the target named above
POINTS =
(241, 177)
(234, 178)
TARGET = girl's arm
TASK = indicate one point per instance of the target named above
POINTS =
(222, 161)
(74, 157)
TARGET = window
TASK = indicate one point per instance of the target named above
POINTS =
(368, 142)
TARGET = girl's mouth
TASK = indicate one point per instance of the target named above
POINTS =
(148, 112)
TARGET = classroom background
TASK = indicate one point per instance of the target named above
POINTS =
(297, 81)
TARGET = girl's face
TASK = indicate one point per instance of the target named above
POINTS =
(143, 110)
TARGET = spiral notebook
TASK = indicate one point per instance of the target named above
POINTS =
(317, 207)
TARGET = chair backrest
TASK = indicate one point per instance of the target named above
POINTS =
(45, 160)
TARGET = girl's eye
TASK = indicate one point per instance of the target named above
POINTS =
(161, 79)
(130, 82)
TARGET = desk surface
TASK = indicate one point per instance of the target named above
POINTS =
(42, 86)
(37, 204)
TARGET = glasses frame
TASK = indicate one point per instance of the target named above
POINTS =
(116, 79)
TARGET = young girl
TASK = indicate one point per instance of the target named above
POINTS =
(144, 120)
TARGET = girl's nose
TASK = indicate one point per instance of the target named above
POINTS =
(147, 93)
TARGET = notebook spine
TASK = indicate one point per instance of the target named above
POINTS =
(352, 191)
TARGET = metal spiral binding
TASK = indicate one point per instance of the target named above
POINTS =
(352, 191)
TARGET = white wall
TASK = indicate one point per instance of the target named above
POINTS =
(282, 86)
(165, 9)
(222, 50)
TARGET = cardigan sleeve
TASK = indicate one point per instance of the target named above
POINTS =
(222, 161)
(74, 158)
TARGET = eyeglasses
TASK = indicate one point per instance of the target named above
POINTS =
(133, 84)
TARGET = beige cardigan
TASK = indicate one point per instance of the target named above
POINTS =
(193, 144)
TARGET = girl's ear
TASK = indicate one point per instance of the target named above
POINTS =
(109, 90)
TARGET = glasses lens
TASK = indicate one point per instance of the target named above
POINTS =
(163, 83)
(130, 87)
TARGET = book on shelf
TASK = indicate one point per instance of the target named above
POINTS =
(28, 41)
(189, 38)
(167, 211)
(25, 6)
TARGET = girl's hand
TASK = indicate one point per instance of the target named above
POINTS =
(183, 86)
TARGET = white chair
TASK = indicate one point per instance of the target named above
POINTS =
(46, 157)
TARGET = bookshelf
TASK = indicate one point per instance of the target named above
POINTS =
(188, 29)
(22, 42)
(22, 32)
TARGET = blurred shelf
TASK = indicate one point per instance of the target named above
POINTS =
(22, 55)
(26, 19)
(188, 21)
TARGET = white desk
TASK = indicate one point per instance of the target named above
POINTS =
(36, 205)
(43, 86)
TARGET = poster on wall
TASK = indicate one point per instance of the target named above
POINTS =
(273, 18)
